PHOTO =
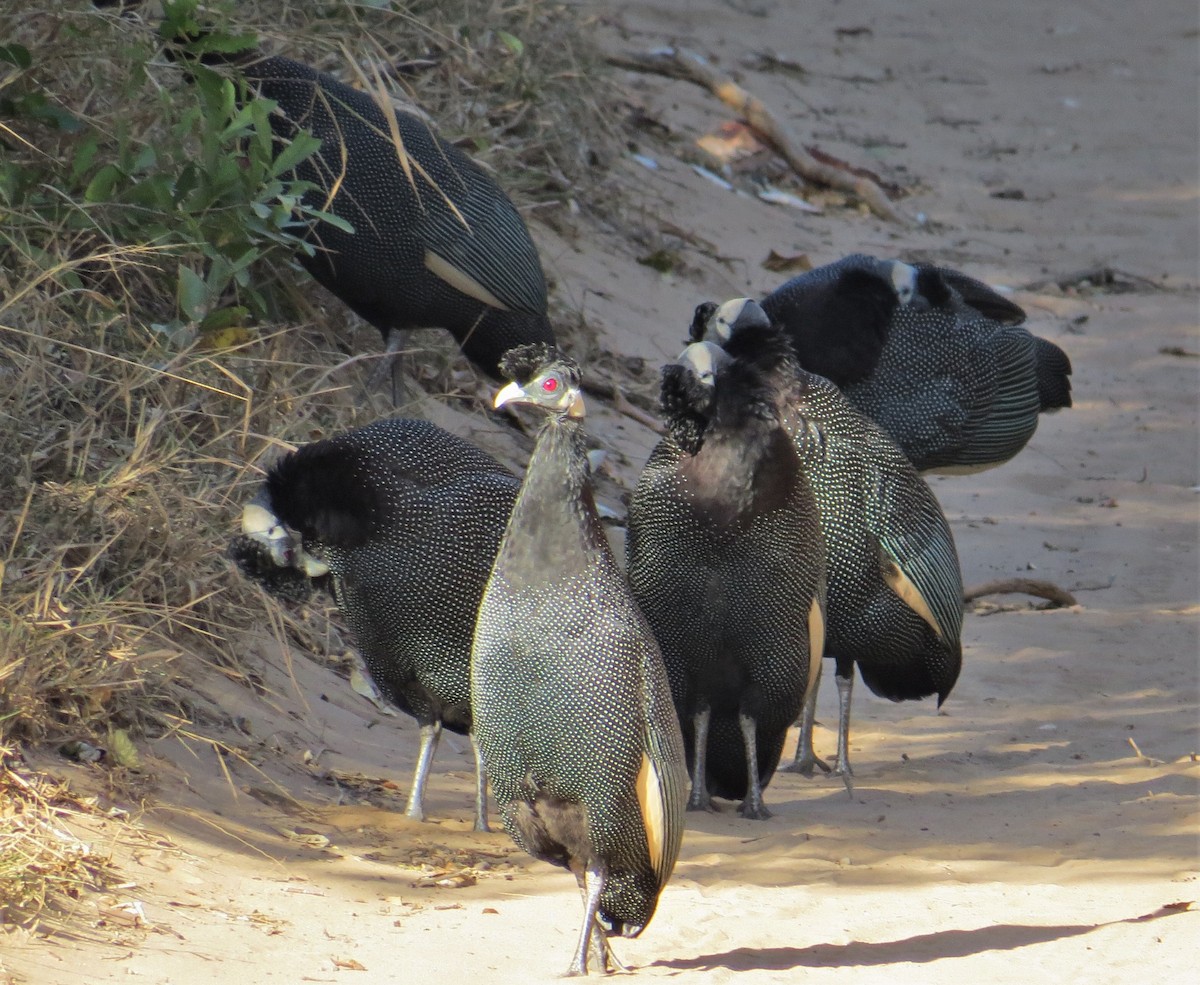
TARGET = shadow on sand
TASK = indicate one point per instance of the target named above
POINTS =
(918, 950)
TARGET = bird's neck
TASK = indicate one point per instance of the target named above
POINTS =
(555, 518)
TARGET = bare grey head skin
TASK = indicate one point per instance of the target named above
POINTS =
(558, 390)
(283, 545)
(705, 359)
(727, 318)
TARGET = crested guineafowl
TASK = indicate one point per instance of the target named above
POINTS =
(727, 561)
(435, 242)
(402, 520)
(894, 589)
(573, 711)
(938, 359)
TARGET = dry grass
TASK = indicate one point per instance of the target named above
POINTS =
(44, 868)
(126, 450)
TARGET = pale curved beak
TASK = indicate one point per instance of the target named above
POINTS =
(507, 394)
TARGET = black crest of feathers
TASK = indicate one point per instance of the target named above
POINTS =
(760, 353)
(435, 241)
(523, 362)
(286, 583)
(687, 406)
(313, 492)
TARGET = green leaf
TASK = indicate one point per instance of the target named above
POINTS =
(220, 43)
(100, 188)
(146, 160)
(85, 156)
(334, 220)
(121, 749)
(191, 293)
(303, 146)
(16, 54)
(220, 318)
(514, 44)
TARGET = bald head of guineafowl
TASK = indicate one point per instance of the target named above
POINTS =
(937, 358)
(433, 241)
(401, 520)
(894, 589)
(573, 712)
(726, 559)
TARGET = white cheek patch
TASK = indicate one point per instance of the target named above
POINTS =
(904, 281)
(258, 521)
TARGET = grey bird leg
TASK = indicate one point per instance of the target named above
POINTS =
(752, 807)
(481, 789)
(845, 685)
(700, 799)
(805, 758)
(430, 734)
(390, 365)
(592, 939)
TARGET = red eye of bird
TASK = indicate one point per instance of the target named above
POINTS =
(549, 384)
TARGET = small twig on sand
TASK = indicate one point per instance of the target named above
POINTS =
(1148, 760)
(1100, 276)
(607, 390)
(1028, 586)
(679, 63)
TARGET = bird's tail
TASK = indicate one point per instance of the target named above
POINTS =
(1053, 375)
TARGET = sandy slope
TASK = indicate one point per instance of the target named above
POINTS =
(1013, 837)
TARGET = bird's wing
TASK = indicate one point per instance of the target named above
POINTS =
(662, 780)
(918, 559)
(984, 298)
(474, 235)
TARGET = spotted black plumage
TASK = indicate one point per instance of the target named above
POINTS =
(403, 520)
(937, 358)
(726, 559)
(573, 712)
(894, 589)
(435, 244)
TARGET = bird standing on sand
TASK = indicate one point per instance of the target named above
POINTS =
(726, 559)
(893, 585)
(403, 519)
(435, 243)
(938, 359)
(573, 712)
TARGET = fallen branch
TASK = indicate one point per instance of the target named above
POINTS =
(1027, 586)
(679, 63)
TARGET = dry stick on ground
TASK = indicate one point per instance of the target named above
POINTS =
(1027, 586)
(607, 390)
(679, 63)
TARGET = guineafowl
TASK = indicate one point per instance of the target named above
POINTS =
(938, 359)
(894, 588)
(573, 711)
(402, 520)
(727, 561)
(435, 241)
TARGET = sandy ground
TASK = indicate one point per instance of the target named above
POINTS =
(1014, 836)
